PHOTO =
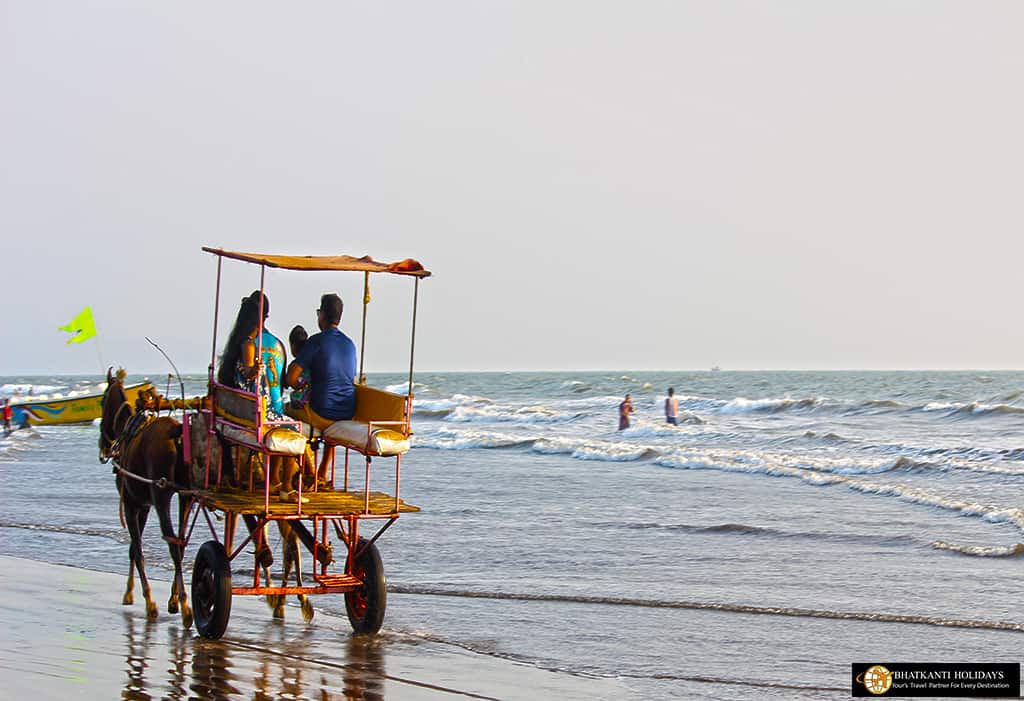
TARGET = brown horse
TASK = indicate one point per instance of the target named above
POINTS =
(147, 456)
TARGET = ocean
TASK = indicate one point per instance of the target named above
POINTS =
(792, 524)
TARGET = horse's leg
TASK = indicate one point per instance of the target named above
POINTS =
(135, 519)
(162, 502)
(172, 600)
(264, 555)
(296, 555)
(129, 591)
(131, 521)
(176, 595)
(277, 602)
(324, 552)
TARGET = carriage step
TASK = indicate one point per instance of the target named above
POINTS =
(337, 580)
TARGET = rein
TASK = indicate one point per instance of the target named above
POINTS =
(162, 483)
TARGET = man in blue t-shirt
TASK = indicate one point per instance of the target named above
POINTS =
(330, 358)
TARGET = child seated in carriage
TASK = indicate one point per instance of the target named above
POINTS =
(297, 339)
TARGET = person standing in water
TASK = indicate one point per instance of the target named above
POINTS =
(672, 407)
(625, 409)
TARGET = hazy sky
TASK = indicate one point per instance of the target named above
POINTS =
(596, 185)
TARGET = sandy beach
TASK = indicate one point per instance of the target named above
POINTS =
(66, 635)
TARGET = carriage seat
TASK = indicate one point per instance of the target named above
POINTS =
(364, 434)
(240, 409)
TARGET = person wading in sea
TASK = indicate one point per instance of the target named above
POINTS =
(672, 407)
(625, 409)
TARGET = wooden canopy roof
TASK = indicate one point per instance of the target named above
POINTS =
(364, 264)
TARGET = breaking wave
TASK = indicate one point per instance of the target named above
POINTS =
(981, 550)
(466, 440)
(119, 535)
(499, 414)
(725, 607)
(742, 405)
(822, 474)
(743, 529)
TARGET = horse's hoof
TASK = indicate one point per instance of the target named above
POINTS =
(324, 554)
(307, 609)
(128, 599)
(172, 606)
(264, 557)
(186, 617)
(279, 611)
(152, 610)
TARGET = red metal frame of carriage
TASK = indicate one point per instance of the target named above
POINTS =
(238, 419)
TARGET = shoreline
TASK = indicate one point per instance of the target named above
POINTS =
(66, 633)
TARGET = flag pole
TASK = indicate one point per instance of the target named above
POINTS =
(99, 357)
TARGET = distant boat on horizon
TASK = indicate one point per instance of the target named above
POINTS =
(715, 368)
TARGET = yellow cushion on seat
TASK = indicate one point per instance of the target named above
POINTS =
(359, 436)
(277, 440)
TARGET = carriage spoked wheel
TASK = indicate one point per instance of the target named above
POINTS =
(365, 605)
(211, 590)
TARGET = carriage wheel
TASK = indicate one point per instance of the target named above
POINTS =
(365, 605)
(211, 590)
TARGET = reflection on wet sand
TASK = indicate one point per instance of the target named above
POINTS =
(137, 635)
(212, 674)
(70, 638)
(364, 673)
(273, 662)
(177, 675)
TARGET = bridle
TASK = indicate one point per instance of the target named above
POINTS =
(110, 446)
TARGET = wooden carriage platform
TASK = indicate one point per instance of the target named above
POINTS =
(322, 503)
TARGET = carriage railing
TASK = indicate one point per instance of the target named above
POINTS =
(245, 413)
(403, 425)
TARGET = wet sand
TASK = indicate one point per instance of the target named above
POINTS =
(65, 634)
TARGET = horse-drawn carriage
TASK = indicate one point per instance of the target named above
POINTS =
(219, 461)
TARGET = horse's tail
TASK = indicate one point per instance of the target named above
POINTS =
(120, 502)
(182, 472)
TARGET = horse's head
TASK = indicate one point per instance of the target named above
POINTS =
(115, 412)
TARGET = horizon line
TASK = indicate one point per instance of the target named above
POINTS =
(203, 372)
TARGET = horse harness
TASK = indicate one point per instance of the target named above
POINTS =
(135, 424)
(131, 429)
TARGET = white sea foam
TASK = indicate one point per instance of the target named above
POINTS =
(981, 550)
(738, 461)
(557, 446)
(467, 440)
(602, 403)
(403, 388)
(23, 389)
(447, 404)
(647, 429)
(742, 405)
(939, 406)
(591, 450)
(610, 452)
(526, 414)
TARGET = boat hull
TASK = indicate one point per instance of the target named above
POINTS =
(72, 410)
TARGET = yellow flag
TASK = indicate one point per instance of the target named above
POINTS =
(82, 326)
